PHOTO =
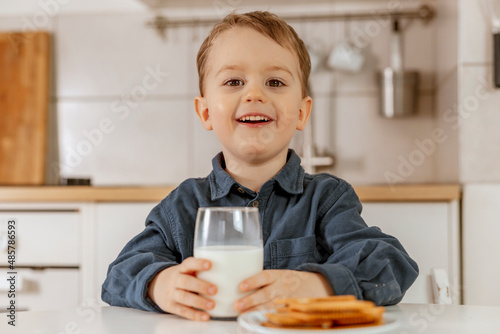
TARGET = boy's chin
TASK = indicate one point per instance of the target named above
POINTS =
(259, 153)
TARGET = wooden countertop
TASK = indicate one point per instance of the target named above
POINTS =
(376, 193)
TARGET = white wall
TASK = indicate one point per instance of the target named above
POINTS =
(479, 153)
(30, 8)
(446, 57)
(103, 52)
(479, 135)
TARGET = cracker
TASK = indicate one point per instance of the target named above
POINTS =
(334, 316)
(304, 327)
(368, 324)
(288, 301)
(289, 319)
(283, 309)
(320, 313)
(363, 317)
(332, 306)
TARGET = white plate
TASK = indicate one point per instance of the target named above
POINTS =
(252, 322)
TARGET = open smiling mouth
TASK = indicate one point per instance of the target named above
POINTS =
(254, 120)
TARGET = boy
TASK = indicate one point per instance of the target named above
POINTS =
(253, 71)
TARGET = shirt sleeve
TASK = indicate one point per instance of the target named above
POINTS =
(141, 259)
(363, 260)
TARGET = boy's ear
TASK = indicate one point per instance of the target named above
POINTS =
(305, 112)
(201, 107)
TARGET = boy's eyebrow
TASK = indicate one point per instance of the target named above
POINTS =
(240, 68)
(229, 67)
(280, 68)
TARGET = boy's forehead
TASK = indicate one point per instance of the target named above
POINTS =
(243, 47)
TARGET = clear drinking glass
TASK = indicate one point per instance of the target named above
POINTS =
(231, 238)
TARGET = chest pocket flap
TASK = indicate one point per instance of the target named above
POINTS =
(290, 253)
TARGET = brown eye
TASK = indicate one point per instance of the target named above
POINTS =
(234, 82)
(275, 83)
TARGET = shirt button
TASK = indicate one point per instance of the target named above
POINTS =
(241, 190)
(255, 204)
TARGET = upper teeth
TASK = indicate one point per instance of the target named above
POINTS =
(254, 118)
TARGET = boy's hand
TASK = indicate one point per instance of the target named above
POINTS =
(271, 284)
(175, 289)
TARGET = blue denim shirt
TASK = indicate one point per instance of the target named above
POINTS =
(309, 223)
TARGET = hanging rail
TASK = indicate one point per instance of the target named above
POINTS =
(424, 13)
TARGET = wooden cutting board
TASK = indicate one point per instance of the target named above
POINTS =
(24, 104)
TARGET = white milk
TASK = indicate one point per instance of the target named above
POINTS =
(230, 266)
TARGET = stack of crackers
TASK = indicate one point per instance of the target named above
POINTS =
(324, 313)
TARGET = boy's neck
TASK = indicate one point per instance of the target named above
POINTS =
(254, 175)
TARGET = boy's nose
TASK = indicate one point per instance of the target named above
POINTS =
(255, 94)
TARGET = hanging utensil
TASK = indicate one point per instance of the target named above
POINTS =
(346, 56)
(398, 88)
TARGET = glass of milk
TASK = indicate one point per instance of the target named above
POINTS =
(231, 238)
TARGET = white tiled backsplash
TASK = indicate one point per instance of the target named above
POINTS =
(123, 98)
(479, 138)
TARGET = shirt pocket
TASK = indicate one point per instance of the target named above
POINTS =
(290, 253)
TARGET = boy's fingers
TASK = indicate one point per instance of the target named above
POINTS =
(259, 280)
(193, 300)
(189, 313)
(191, 283)
(192, 264)
(253, 300)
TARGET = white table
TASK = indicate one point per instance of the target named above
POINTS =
(412, 318)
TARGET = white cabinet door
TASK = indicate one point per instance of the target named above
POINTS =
(42, 238)
(481, 231)
(429, 233)
(116, 224)
(47, 254)
(40, 289)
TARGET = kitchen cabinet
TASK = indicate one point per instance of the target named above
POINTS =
(68, 236)
(47, 255)
(44, 238)
(63, 250)
(116, 224)
(42, 288)
(429, 232)
(481, 228)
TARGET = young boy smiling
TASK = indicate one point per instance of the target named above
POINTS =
(253, 71)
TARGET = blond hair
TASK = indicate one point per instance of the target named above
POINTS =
(269, 25)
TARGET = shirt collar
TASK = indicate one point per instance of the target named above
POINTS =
(220, 181)
(290, 178)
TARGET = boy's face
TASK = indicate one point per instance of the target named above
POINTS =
(253, 98)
